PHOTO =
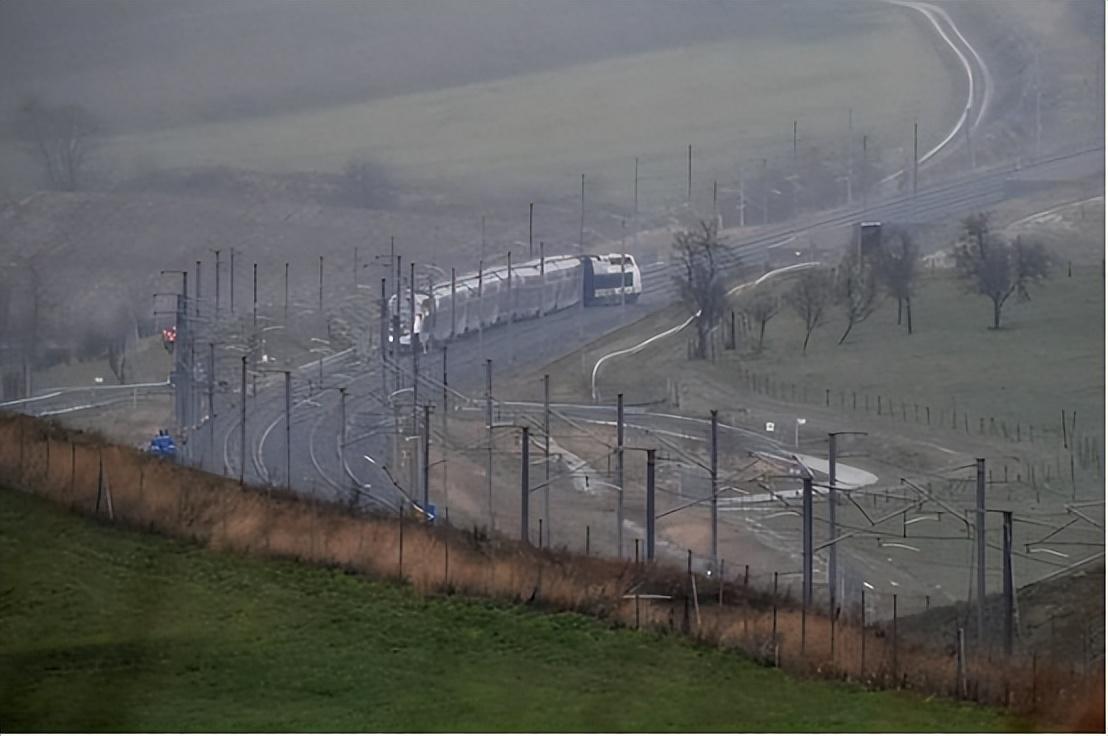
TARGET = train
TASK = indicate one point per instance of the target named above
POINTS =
(512, 293)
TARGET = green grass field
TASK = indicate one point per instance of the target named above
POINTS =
(109, 630)
(732, 100)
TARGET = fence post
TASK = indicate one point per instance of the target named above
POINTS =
(960, 684)
(862, 665)
(400, 554)
(776, 653)
(587, 540)
(896, 645)
(721, 581)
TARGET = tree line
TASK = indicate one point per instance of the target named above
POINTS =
(987, 264)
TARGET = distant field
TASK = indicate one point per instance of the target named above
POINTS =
(733, 100)
(106, 630)
(1049, 354)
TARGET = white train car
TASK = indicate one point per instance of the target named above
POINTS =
(527, 290)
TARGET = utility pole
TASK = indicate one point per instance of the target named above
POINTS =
(217, 269)
(242, 427)
(426, 457)
(531, 230)
(453, 303)
(742, 199)
(480, 317)
(546, 458)
(396, 323)
(211, 403)
(688, 195)
(980, 549)
(525, 486)
(384, 335)
(488, 420)
(511, 312)
(619, 476)
(199, 273)
(445, 385)
(865, 177)
(832, 531)
(849, 154)
(321, 283)
(915, 158)
(288, 429)
(715, 489)
(255, 296)
(413, 343)
(342, 423)
(636, 194)
(542, 278)
(232, 279)
(1009, 587)
(650, 505)
(286, 293)
(581, 244)
(807, 594)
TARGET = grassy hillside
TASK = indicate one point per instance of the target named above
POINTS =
(102, 629)
(492, 99)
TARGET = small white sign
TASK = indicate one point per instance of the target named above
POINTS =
(801, 420)
(769, 426)
(98, 379)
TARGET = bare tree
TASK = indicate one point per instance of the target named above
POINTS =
(856, 289)
(996, 268)
(761, 308)
(699, 280)
(896, 266)
(809, 298)
(61, 137)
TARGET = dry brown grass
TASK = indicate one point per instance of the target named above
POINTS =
(146, 492)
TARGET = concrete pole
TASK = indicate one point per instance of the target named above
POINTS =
(688, 195)
(542, 279)
(488, 421)
(832, 526)
(807, 569)
(525, 486)
(546, 458)
(715, 488)
(288, 429)
(453, 303)
(915, 158)
(396, 322)
(426, 456)
(321, 283)
(980, 549)
(242, 427)
(413, 343)
(211, 403)
(199, 274)
(445, 388)
(650, 505)
(1009, 587)
(255, 312)
(342, 430)
(217, 264)
(531, 230)
(480, 307)
(286, 293)
(232, 281)
(384, 336)
(619, 476)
